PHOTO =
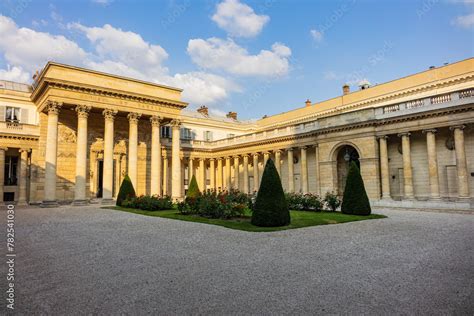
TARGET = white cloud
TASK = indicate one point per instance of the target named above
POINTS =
(219, 54)
(113, 51)
(16, 74)
(330, 75)
(238, 19)
(30, 49)
(103, 2)
(465, 21)
(125, 47)
(317, 35)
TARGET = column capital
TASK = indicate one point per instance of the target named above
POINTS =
(304, 147)
(289, 149)
(155, 120)
(245, 155)
(22, 150)
(3, 148)
(236, 156)
(382, 137)
(255, 155)
(212, 159)
(277, 151)
(220, 159)
(133, 117)
(53, 107)
(202, 159)
(83, 110)
(109, 114)
(430, 130)
(404, 134)
(175, 123)
(461, 127)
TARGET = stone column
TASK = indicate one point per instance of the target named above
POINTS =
(155, 180)
(190, 168)
(2, 171)
(81, 155)
(266, 156)
(461, 164)
(108, 176)
(316, 168)
(432, 163)
(246, 174)
(176, 185)
(236, 172)
(23, 176)
(384, 172)
(228, 176)
(407, 168)
(202, 175)
(165, 175)
(304, 171)
(255, 172)
(51, 155)
(291, 171)
(220, 185)
(212, 174)
(133, 147)
(278, 161)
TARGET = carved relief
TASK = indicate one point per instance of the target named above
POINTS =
(66, 135)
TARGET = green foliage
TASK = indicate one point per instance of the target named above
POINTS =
(126, 191)
(149, 203)
(304, 202)
(223, 205)
(332, 201)
(271, 208)
(355, 200)
(193, 189)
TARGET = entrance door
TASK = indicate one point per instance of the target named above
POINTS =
(100, 177)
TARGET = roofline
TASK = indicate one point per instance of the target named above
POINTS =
(52, 63)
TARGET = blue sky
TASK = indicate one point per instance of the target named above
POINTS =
(253, 57)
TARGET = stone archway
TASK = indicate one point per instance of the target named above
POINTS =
(345, 155)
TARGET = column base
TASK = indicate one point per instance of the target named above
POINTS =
(108, 202)
(80, 202)
(49, 204)
(21, 203)
(435, 199)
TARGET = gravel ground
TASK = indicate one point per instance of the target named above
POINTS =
(87, 260)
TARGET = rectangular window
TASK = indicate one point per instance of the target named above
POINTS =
(186, 134)
(208, 136)
(11, 168)
(12, 114)
(166, 132)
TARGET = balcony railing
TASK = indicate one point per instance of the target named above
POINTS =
(466, 94)
(415, 104)
(441, 99)
(14, 125)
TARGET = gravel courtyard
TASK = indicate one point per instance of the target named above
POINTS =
(87, 260)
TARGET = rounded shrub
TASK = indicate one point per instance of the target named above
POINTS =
(355, 200)
(270, 208)
(126, 191)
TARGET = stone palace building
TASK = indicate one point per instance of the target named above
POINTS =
(72, 136)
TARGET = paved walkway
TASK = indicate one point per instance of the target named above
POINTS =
(81, 260)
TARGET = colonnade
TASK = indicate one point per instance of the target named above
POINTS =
(432, 164)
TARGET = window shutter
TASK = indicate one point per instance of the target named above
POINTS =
(24, 116)
(2, 113)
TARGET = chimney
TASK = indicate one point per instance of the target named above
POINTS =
(232, 115)
(346, 89)
(203, 110)
(308, 102)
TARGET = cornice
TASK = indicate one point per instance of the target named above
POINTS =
(93, 90)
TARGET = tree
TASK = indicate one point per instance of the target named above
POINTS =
(126, 191)
(355, 200)
(271, 207)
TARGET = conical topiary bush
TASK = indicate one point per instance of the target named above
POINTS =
(355, 200)
(126, 191)
(193, 189)
(271, 207)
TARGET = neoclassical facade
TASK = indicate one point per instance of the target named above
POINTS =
(72, 136)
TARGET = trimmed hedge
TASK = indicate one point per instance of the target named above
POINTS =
(149, 203)
(355, 200)
(126, 191)
(271, 207)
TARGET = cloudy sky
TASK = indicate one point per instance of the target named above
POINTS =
(254, 57)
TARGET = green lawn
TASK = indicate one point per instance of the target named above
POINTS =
(299, 219)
